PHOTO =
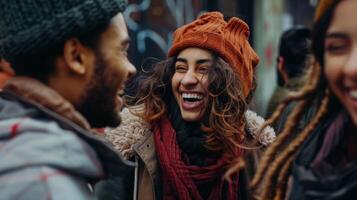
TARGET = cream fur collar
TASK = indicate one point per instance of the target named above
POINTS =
(133, 129)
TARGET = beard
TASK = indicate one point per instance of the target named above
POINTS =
(98, 103)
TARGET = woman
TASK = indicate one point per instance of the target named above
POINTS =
(189, 120)
(321, 158)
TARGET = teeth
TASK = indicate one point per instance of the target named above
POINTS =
(192, 96)
(353, 94)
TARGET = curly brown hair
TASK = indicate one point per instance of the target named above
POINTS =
(270, 180)
(225, 122)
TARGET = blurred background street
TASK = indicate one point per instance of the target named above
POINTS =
(151, 24)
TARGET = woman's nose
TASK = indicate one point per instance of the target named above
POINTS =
(190, 78)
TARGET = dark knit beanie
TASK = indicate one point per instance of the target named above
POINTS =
(30, 26)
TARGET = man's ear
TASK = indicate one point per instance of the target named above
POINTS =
(280, 64)
(75, 56)
(281, 69)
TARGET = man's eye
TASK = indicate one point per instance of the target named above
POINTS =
(125, 50)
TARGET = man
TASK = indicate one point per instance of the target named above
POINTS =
(291, 64)
(70, 60)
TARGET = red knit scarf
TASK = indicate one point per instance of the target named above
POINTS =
(181, 180)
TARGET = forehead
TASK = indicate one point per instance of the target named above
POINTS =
(195, 53)
(341, 21)
(117, 29)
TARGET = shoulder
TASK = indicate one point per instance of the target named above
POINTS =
(253, 124)
(131, 130)
(31, 142)
(43, 182)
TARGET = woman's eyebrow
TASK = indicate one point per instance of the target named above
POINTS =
(179, 59)
(201, 61)
(336, 35)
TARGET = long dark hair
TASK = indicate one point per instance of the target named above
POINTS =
(270, 180)
(224, 124)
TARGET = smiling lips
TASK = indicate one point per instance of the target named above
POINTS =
(191, 101)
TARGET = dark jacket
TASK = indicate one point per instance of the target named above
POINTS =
(280, 93)
(47, 149)
(311, 182)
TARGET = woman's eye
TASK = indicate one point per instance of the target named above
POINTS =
(336, 47)
(180, 68)
(203, 70)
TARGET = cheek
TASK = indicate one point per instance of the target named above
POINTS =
(332, 69)
(329, 73)
(117, 68)
(333, 74)
(175, 81)
(205, 82)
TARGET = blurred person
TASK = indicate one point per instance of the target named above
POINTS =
(189, 120)
(319, 162)
(70, 60)
(291, 64)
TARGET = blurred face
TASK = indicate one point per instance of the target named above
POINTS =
(101, 101)
(190, 82)
(341, 56)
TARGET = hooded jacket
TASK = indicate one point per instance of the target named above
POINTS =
(46, 148)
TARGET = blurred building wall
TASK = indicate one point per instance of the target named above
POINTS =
(271, 19)
(268, 26)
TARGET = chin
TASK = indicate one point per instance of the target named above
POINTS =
(191, 117)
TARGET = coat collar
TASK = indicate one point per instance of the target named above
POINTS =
(38, 93)
(134, 133)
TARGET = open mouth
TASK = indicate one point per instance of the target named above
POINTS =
(191, 101)
(192, 97)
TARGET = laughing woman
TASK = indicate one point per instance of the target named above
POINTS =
(189, 119)
(321, 159)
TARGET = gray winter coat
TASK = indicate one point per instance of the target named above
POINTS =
(45, 150)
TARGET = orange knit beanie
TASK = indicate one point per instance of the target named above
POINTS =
(229, 40)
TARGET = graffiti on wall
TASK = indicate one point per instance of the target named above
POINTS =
(151, 24)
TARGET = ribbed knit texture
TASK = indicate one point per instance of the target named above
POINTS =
(228, 39)
(184, 180)
(29, 26)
